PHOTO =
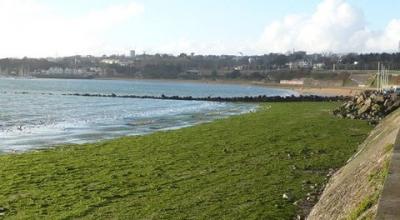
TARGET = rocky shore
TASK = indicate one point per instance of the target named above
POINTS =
(369, 105)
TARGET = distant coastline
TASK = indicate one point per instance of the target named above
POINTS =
(302, 90)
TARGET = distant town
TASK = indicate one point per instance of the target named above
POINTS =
(295, 68)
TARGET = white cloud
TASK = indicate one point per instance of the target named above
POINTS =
(30, 28)
(335, 26)
(386, 40)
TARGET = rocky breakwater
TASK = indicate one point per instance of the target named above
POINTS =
(260, 98)
(369, 105)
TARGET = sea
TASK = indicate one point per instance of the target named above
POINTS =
(35, 115)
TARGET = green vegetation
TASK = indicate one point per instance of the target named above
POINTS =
(366, 204)
(235, 168)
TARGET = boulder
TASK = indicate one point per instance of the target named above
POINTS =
(360, 99)
(372, 106)
(364, 108)
(376, 108)
(379, 99)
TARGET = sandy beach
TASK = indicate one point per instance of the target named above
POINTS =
(343, 91)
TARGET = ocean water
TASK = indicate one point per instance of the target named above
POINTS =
(30, 118)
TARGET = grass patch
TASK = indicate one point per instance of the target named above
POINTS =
(366, 204)
(235, 168)
(379, 176)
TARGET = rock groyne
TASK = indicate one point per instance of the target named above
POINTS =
(260, 98)
(369, 105)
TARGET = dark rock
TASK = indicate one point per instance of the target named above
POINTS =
(261, 98)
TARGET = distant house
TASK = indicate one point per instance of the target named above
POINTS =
(110, 61)
(319, 66)
(292, 82)
(193, 71)
(298, 64)
(238, 68)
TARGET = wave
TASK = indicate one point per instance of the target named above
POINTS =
(33, 114)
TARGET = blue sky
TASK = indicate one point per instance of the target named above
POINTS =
(258, 12)
(207, 26)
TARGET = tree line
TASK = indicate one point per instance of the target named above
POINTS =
(164, 66)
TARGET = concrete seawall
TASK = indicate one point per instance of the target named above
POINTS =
(389, 203)
(354, 191)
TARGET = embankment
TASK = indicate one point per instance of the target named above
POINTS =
(354, 191)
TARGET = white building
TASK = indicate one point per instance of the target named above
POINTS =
(292, 82)
(298, 64)
(110, 61)
(319, 66)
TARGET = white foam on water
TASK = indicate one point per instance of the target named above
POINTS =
(30, 120)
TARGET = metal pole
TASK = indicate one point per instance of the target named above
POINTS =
(377, 76)
(385, 85)
(382, 77)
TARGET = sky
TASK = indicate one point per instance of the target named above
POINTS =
(52, 28)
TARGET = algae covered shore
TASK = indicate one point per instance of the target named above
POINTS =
(261, 165)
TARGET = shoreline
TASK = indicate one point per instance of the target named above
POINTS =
(230, 82)
(186, 163)
(57, 146)
(302, 90)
